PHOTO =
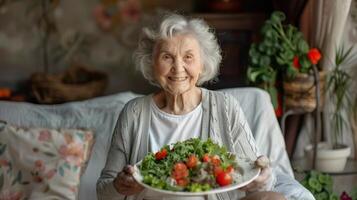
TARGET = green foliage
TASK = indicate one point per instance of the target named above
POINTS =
(275, 53)
(338, 84)
(320, 185)
(354, 193)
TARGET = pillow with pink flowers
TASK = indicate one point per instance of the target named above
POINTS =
(40, 163)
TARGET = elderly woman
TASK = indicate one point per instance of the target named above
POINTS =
(178, 56)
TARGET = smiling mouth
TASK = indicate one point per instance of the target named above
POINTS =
(178, 79)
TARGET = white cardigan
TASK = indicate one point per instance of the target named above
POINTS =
(223, 121)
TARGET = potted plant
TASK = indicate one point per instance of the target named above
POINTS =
(282, 51)
(332, 157)
(320, 185)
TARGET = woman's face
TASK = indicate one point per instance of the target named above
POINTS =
(177, 63)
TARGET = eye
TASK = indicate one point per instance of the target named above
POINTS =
(166, 56)
(188, 57)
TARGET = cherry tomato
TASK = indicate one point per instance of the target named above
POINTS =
(230, 169)
(180, 166)
(161, 154)
(217, 170)
(192, 161)
(182, 182)
(206, 158)
(224, 179)
(215, 160)
(179, 171)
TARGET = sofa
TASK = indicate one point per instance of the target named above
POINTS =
(100, 115)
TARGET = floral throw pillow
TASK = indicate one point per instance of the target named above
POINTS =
(39, 163)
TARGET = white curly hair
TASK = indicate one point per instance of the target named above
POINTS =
(171, 25)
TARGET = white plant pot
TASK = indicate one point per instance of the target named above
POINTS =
(328, 159)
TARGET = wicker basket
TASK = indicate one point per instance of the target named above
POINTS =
(300, 92)
(77, 83)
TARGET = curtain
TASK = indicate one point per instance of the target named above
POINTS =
(323, 23)
(328, 19)
(349, 38)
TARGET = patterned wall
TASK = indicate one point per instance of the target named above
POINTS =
(99, 33)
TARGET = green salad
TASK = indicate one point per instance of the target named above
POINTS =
(192, 165)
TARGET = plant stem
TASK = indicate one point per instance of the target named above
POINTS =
(280, 30)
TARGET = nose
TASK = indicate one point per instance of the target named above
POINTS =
(179, 65)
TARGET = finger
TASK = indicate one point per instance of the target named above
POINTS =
(252, 187)
(127, 180)
(122, 176)
(248, 187)
(243, 188)
(129, 190)
(131, 186)
(264, 175)
(125, 184)
(263, 178)
(259, 182)
(123, 187)
(129, 169)
(262, 162)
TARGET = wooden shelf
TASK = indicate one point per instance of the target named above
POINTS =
(235, 34)
(239, 21)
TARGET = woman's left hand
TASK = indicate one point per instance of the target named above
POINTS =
(262, 180)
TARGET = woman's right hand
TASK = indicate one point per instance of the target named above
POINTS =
(125, 183)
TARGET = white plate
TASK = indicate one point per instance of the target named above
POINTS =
(247, 170)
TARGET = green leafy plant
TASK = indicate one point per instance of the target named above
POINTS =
(338, 85)
(353, 193)
(282, 50)
(320, 185)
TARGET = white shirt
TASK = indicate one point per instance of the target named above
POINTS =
(167, 128)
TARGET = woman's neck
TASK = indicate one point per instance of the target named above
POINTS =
(178, 104)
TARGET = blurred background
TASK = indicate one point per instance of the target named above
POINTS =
(50, 36)
(56, 51)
